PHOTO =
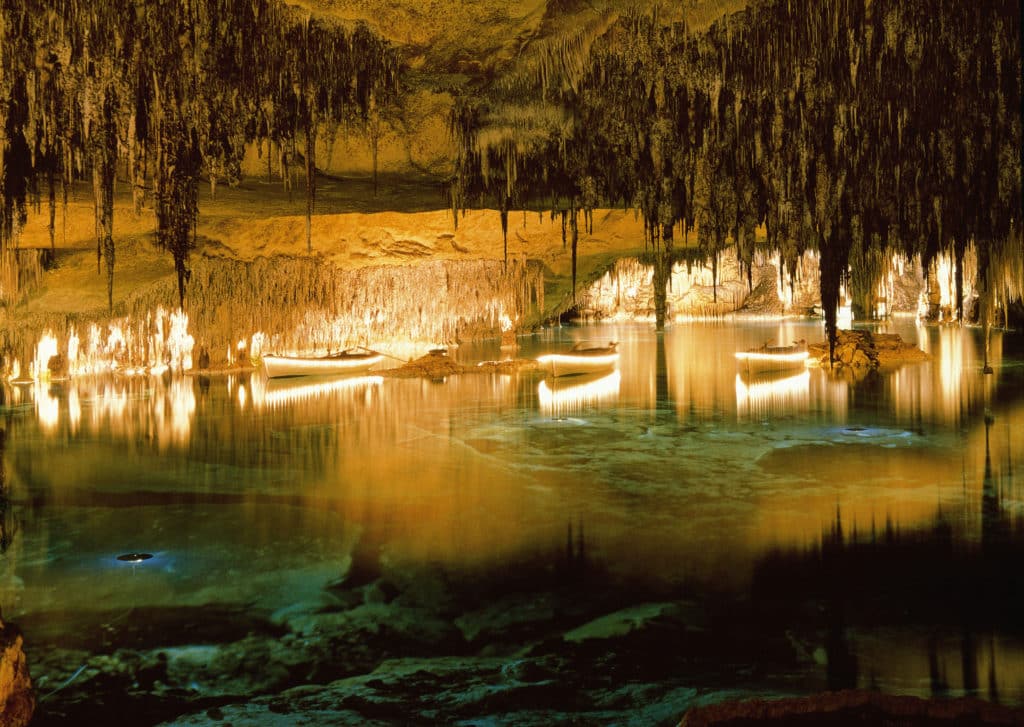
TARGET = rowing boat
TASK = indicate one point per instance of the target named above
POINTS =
(580, 360)
(773, 358)
(346, 362)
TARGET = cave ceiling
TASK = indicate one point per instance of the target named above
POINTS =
(473, 46)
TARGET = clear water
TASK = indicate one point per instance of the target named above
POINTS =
(672, 473)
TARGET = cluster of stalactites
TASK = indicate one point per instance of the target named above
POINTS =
(854, 127)
(172, 89)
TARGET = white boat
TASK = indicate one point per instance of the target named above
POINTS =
(346, 362)
(580, 360)
(773, 358)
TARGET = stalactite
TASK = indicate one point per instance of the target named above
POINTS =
(310, 180)
(700, 128)
(51, 186)
(575, 239)
(504, 230)
(83, 70)
(106, 161)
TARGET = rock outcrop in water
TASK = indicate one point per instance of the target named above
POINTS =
(861, 351)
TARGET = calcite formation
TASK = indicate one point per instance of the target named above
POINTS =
(17, 701)
(864, 350)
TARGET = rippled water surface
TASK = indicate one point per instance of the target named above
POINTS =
(673, 475)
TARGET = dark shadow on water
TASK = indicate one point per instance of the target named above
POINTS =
(556, 629)
(947, 581)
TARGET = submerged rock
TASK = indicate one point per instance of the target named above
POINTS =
(619, 623)
(853, 707)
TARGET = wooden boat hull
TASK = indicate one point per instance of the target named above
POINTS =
(574, 364)
(281, 366)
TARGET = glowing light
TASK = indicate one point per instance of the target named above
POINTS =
(797, 357)
(182, 400)
(559, 397)
(115, 339)
(760, 396)
(110, 403)
(844, 316)
(769, 359)
(241, 397)
(74, 409)
(279, 392)
(179, 342)
(47, 407)
(45, 349)
(567, 364)
(256, 345)
(73, 346)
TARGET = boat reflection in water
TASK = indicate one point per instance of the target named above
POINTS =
(272, 393)
(857, 504)
(767, 394)
(773, 359)
(562, 396)
(581, 360)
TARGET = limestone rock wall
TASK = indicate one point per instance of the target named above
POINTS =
(300, 305)
(430, 303)
(627, 291)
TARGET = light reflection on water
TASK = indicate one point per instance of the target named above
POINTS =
(676, 424)
(679, 467)
(574, 394)
(761, 396)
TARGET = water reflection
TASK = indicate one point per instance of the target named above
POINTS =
(676, 425)
(157, 408)
(269, 393)
(572, 395)
(764, 395)
(929, 608)
(808, 488)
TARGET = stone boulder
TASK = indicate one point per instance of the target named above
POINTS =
(17, 701)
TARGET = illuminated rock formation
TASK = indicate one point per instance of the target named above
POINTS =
(17, 701)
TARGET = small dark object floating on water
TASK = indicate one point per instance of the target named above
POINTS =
(134, 557)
